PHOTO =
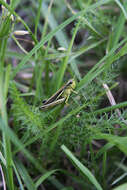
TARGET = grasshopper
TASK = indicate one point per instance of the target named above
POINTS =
(62, 95)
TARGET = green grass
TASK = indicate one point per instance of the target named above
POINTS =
(79, 146)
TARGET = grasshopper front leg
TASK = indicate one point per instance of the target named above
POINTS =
(74, 91)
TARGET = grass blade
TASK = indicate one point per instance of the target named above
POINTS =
(82, 169)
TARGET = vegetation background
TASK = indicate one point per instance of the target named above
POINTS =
(80, 146)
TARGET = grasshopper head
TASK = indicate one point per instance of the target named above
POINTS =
(72, 83)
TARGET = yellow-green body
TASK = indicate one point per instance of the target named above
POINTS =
(68, 90)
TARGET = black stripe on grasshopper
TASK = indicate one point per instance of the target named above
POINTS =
(56, 102)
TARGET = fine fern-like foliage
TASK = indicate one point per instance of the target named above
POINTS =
(25, 116)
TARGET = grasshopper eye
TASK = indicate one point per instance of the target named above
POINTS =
(71, 82)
